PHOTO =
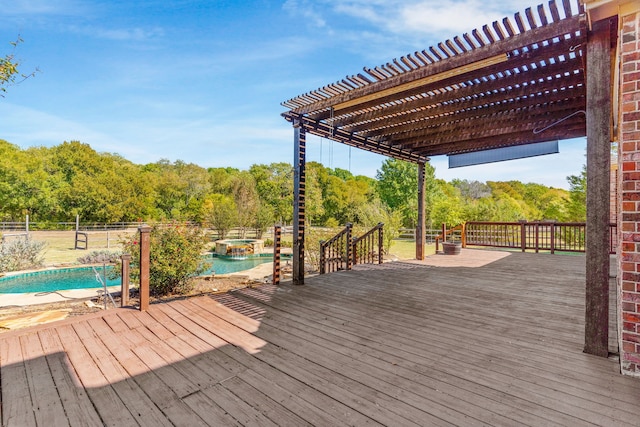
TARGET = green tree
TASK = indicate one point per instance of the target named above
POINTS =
(577, 207)
(274, 184)
(9, 72)
(220, 211)
(398, 188)
(246, 200)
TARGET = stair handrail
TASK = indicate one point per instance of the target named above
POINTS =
(379, 228)
(325, 244)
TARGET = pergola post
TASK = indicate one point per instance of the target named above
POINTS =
(299, 162)
(420, 228)
(598, 166)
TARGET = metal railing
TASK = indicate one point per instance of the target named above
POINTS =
(343, 251)
(536, 236)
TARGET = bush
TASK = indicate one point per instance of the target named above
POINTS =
(21, 254)
(100, 257)
(175, 258)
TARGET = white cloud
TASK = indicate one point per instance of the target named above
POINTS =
(120, 34)
(35, 9)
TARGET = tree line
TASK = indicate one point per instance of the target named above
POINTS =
(59, 182)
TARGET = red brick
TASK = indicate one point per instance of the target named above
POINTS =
(631, 297)
(629, 195)
(631, 135)
(630, 97)
(631, 116)
(629, 166)
(628, 107)
(629, 127)
(628, 347)
(631, 317)
(632, 277)
(632, 357)
(628, 227)
(629, 87)
(631, 176)
(629, 327)
(629, 307)
(630, 256)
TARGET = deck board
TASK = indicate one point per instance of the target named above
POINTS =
(490, 339)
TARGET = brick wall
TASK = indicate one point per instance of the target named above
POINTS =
(629, 218)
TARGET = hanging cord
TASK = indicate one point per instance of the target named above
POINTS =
(537, 131)
(331, 139)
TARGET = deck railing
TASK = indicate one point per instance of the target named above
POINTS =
(537, 236)
(343, 251)
(335, 253)
(367, 249)
(455, 234)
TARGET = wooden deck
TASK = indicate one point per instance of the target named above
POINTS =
(499, 343)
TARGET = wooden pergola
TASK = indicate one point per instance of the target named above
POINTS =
(519, 81)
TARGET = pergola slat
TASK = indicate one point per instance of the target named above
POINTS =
(499, 80)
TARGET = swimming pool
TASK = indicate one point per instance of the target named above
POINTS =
(85, 278)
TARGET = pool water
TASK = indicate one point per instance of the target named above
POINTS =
(85, 278)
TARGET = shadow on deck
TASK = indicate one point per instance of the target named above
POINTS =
(499, 343)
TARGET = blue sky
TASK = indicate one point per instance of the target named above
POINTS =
(202, 80)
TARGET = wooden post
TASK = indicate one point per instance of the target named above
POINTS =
(463, 237)
(145, 248)
(381, 243)
(420, 228)
(323, 258)
(523, 235)
(349, 247)
(598, 169)
(124, 277)
(277, 238)
(299, 203)
(552, 238)
(26, 225)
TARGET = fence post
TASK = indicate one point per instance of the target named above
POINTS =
(277, 236)
(323, 258)
(380, 242)
(124, 283)
(26, 226)
(463, 237)
(537, 236)
(552, 238)
(348, 248)
(523, 236)
(145, 247)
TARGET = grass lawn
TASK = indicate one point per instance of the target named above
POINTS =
(406, 249)
(59, 248)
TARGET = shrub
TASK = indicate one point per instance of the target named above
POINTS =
(100, 257)
(21, 254)
(175, 258)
